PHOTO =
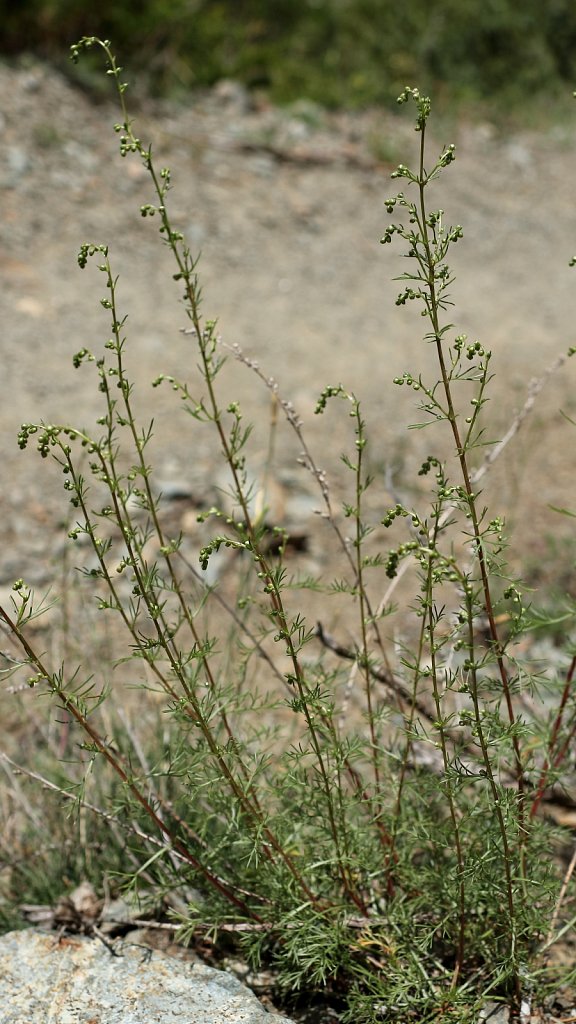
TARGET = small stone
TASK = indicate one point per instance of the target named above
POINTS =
(496, 1013)
(32, 81)
(17, 165)
(232, 95)
(262, 164)
(175, 490)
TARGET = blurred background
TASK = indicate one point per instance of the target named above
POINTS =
(336, 52)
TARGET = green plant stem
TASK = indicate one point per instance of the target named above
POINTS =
(152, 510)
(496, 800)
(428, 610)
(360, 589)
(496, 643)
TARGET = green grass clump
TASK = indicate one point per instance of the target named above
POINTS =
(391, 858)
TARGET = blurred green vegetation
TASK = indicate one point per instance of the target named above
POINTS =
(336, 52)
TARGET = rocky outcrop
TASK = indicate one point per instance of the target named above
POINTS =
(79, 980)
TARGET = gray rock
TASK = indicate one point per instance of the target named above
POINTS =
(232, 96)
(17, 165)
(18, 160)
(78, 980)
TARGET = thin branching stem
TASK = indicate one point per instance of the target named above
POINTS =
(474, 689)
(430, 617)
(496, 644)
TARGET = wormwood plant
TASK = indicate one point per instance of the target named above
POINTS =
(395, 859)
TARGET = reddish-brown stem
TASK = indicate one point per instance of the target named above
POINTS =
(555, 757)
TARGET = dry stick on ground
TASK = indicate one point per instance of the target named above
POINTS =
(381, 675)
(310, 156)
